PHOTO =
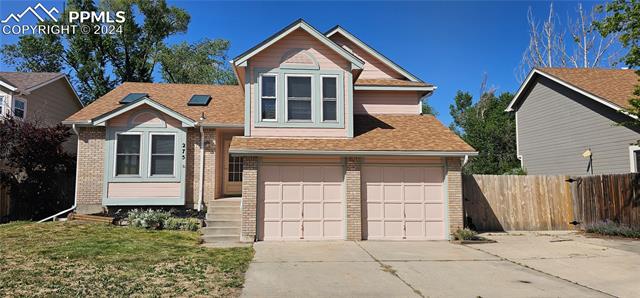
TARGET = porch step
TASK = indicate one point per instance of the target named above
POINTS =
(223, 223)
(223, 216)
(221, 238)
(229, 202)
(221, 231)
(224, 210)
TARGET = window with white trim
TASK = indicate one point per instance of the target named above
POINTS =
(298, 89)
(329, 98)
(2, 103)
(268, 97)
(128, 147)
(634, 158)
(162, 155)
(19, 108)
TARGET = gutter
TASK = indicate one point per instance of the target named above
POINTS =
(75, 195)
(353, 153)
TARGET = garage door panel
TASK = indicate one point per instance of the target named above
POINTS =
(405, 202)
(301, 202)
(393, 211)
(333, 211)
(392, 193)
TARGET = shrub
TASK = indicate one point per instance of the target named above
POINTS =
(185, 224)
(465, 234)
(610, 228)
(148, 219)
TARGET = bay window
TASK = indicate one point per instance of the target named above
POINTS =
(298, 96)
(128, 147)
(329, 98)
(162, 155)
(268, 97)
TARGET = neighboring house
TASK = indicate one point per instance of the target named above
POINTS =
(322, 139)
(46, 98)
(562, 114)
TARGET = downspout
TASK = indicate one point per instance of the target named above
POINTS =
(466, 159)
(200, 190)
(75, 195)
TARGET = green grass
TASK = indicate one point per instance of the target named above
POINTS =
(84, 259)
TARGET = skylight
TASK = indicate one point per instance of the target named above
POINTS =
(131, 97)
(199, 100)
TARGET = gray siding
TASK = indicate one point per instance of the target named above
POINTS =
(556, 125)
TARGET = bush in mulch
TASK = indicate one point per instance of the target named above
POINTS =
(160, 219)
(466, 234)
(610, 228)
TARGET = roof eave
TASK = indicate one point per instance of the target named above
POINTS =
(394, 88)
(245, 152)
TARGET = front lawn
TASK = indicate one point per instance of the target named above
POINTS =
(85, 259)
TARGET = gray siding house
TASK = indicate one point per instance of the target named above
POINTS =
(569, 121)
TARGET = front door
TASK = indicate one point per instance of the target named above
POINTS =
(232, 172)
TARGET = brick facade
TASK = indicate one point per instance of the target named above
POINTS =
(454, 191)
(354, 198)
(249, 198)
(90, 169)
(192, 177)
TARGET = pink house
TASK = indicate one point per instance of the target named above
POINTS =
(323, 138)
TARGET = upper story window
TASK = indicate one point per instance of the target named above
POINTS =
(2, 103)
(268, 97)
(128, 148)
(162, 155)
(634, 156)
(19, 108)
(298, 93)
(329, 98)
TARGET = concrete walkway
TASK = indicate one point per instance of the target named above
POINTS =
(395, 269)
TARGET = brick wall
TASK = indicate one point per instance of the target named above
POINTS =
(354, 199)
(90, 169)
(192, 176)
(454, 183)
(249, 198)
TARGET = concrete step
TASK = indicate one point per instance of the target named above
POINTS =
(223, 209)
(224, 216)
(223, 223)
(216, 231)
(225, 202)
(221, 238)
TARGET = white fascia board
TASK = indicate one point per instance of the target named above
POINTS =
(374, 53)
(8, 86)
(186, 122)
(565, 84)
(241, 61)
(394, 88)
(354, 153)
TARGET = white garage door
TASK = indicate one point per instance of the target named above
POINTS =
(404, 202)
(301, 202)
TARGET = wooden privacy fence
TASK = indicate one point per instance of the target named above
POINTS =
(506, 202)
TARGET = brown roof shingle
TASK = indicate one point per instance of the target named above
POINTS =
(372, 133)
(26, 80)
(613, 85)
(390, 82)
(226, 106)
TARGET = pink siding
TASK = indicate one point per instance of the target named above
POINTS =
(143, 115)
(273, 56)
(301, 202)
(403, 202)
(386, 102)
(143, 190)
(373, 68)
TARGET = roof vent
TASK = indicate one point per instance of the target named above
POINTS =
(131, 97)
(199, 100)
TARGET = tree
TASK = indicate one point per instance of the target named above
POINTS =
(428, 109)
(485, 126)
(204, 62)
(40, 175)
(547, 46)
(623, 22)
(101, 61)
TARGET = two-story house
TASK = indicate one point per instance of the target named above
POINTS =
(322, 139)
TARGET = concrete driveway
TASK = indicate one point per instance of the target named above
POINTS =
(422, 269)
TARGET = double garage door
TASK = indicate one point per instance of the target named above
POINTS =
(308, 202)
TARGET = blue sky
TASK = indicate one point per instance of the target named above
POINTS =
(449, 44)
